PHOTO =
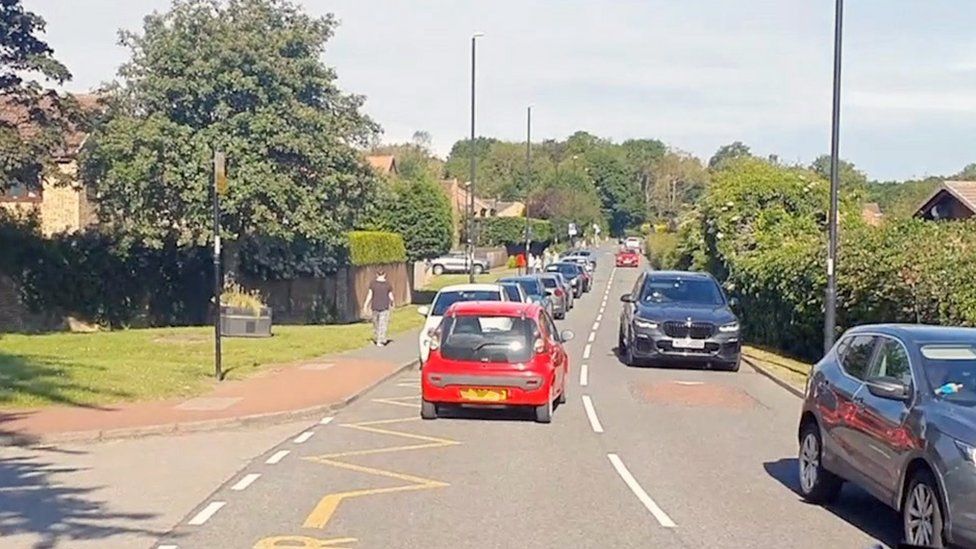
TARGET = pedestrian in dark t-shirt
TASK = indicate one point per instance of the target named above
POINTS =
(379, 302)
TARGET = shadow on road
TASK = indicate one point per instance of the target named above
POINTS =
(854, 506)
(523, 413)
(36, 504)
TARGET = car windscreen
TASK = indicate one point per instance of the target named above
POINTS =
(446, 299)
(530, 286)
(499, 339)
(681, 290)
(512, 291)
(549, 282)
(951, 371)
(567, 270)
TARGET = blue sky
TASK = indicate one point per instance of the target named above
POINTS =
(694, 73)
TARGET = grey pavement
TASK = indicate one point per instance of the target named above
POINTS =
(686, 458)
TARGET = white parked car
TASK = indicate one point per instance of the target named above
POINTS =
(447, 297)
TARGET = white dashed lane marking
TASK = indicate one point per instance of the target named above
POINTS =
(591, 414)
(246, 481)
(586, 351)
(303, 437)
(278, 456)
(592, 337)
(596, 325)
(662, 518)
(326, 420)
(584, 375)
(210, 510)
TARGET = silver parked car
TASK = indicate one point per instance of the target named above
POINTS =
(892, 408)
(458, 262)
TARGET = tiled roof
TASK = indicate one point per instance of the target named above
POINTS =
(13, 113)
(963, 191)
(384, 163)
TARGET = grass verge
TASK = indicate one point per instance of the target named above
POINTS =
(787, 369)
(106, 367)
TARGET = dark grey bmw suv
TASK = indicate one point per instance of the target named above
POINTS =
(677, 316)
(892, 408)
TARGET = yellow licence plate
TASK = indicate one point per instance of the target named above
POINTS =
(484, 395)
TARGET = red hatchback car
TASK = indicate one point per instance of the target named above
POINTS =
(628, 258)
(496, 354)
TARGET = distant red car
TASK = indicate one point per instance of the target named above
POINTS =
(628, 258)
(495, 354)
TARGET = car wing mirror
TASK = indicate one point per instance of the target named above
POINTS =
(734, 302)
(889, 388)
(566, 335)
(627, 298)
(423, 310)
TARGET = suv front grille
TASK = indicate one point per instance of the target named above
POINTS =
(697, 330)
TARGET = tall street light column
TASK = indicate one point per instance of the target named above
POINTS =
(528, 184)
(830, 302)
(474, 165)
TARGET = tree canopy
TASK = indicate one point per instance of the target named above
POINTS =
(244, 76)
(728, 153)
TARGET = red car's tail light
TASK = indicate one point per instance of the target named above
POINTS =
(559, 292)
(435, 340)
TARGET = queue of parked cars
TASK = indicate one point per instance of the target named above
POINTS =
(491, 345)
(890, 408)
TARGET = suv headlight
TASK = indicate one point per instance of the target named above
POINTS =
(730, 327)
(646, 324)
(968, 451)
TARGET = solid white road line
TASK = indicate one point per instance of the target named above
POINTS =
(591, 414)
(326, 420)
(245, 482)
(584, 375)
(592, 337)
(596, 325)
(207, 512)
(277, 457)
(586, 352)
(662, 517)
(303, 437)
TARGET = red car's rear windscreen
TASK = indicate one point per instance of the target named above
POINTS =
(503, 339)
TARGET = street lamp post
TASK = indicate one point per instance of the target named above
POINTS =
(474, 165)
(528, 183)
(830, 302)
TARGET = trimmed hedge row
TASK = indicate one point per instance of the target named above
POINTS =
(761, 229)
(502, 231)
(375, 248)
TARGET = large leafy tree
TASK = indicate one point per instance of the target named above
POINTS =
(34, 121)
(968, 173)
(728, 153)
(245, 76)
(420, 211)
(619, 189)
(676, 182)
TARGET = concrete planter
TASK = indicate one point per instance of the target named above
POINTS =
(240, 322)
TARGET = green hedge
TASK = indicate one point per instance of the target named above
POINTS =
(103, 277)
(375, 248)
(760, 229)
(501, 231)
(659, 248)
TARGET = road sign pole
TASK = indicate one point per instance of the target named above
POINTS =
(220, 185)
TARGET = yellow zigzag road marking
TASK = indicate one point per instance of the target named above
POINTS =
(320, 516)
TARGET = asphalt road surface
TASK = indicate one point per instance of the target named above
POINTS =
(638, 457)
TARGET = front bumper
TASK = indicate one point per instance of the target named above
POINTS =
(523, 389)
(656, 345)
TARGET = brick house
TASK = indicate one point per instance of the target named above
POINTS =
(61, 207)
